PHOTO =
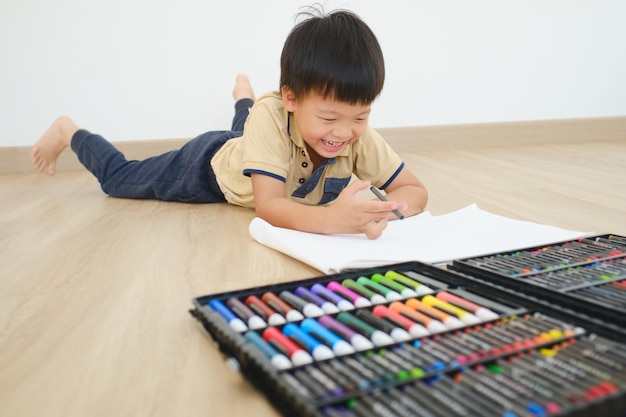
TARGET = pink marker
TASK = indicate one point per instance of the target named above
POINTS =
(357, 299)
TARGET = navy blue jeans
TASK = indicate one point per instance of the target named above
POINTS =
(183, 175)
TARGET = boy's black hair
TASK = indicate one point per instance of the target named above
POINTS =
(335, 55)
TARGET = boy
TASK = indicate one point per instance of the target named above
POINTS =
(297, 152)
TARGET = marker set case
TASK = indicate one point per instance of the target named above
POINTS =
(586, 275)
(412, 339)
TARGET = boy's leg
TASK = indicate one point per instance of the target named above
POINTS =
(244, 99)
(183, 175)
(46, 151)
(242, 109)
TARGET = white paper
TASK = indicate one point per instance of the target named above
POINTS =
(431, 239)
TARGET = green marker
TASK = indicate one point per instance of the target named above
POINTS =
(379, 337)
(390, 295)
(400, 288)
(418, 286)
(374, 297)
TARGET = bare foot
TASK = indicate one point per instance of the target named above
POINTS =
(48, 148)
(243, 88)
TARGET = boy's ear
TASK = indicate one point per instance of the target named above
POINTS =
(289, 98)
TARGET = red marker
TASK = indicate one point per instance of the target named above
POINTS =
(273, 317)
(414, 329)
(297, 355)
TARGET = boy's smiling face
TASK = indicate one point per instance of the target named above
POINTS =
(326, 125)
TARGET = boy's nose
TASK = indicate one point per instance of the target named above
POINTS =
(343, 133)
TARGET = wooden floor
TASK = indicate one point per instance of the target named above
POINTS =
(95, 291)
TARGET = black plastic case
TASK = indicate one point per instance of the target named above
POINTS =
(278, 385)
(586, 275)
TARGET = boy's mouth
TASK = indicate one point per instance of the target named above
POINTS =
(332, 145)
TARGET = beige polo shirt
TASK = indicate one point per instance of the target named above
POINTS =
(272, 145)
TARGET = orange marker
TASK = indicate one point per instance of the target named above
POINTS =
(290, 313)
(450, 321)
(433, 325)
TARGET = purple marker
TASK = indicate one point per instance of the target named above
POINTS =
(326, 306)
(357, 340)
(340, 302)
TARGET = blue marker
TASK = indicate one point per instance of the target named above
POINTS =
(318, 350)
(235, 322)
(340, 302)
(340, 346)
(278, 359)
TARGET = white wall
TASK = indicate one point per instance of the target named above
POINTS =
(151, 69)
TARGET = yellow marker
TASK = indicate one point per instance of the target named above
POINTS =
(547, 352)
(464, 315)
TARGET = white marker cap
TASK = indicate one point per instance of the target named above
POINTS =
(300, 357)
(362, 302)
(393, 296)
(256, 322)
(486, 314)
(400, 335)
(361, 342)
(409, 293)
(311, 310)
(276, 320)
(341, 347)
(345, 305)
(435, 326)
(281, 361)
(322, 352)
(470, 319)
(294, 315)
(453, 323)
(330, 308)
(238, 325)
(378, 299)
(417, 330)
(382, 339)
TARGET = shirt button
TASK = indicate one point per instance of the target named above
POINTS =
(303, 153)
(301, 180)
(304, 165)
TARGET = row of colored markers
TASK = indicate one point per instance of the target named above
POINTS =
(541, 382)
(528, 262)
(440, 312)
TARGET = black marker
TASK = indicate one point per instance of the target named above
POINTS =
(381, 197)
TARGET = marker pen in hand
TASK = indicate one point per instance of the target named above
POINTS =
(381, 197)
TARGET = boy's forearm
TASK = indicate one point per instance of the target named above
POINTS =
(291, 215)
